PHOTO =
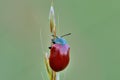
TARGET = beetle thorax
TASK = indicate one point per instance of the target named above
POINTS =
(60, 40)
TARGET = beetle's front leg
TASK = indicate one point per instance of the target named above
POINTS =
(52, 42)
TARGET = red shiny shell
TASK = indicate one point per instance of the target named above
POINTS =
(59, 57)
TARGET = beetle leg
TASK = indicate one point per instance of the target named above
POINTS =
(49, 47)
(53, 41)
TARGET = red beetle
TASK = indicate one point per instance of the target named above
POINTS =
(59, 51)
(59, 54)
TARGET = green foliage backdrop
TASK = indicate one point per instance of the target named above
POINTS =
(95, 39)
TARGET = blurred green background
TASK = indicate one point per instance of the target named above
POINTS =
(95, 39)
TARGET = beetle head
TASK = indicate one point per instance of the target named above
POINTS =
(60, 40)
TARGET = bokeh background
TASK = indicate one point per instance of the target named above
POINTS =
(25, 38)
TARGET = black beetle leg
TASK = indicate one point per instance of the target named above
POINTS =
(49, 47)
(53, 41)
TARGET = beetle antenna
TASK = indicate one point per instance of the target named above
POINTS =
(54, 36)
(66, 35)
